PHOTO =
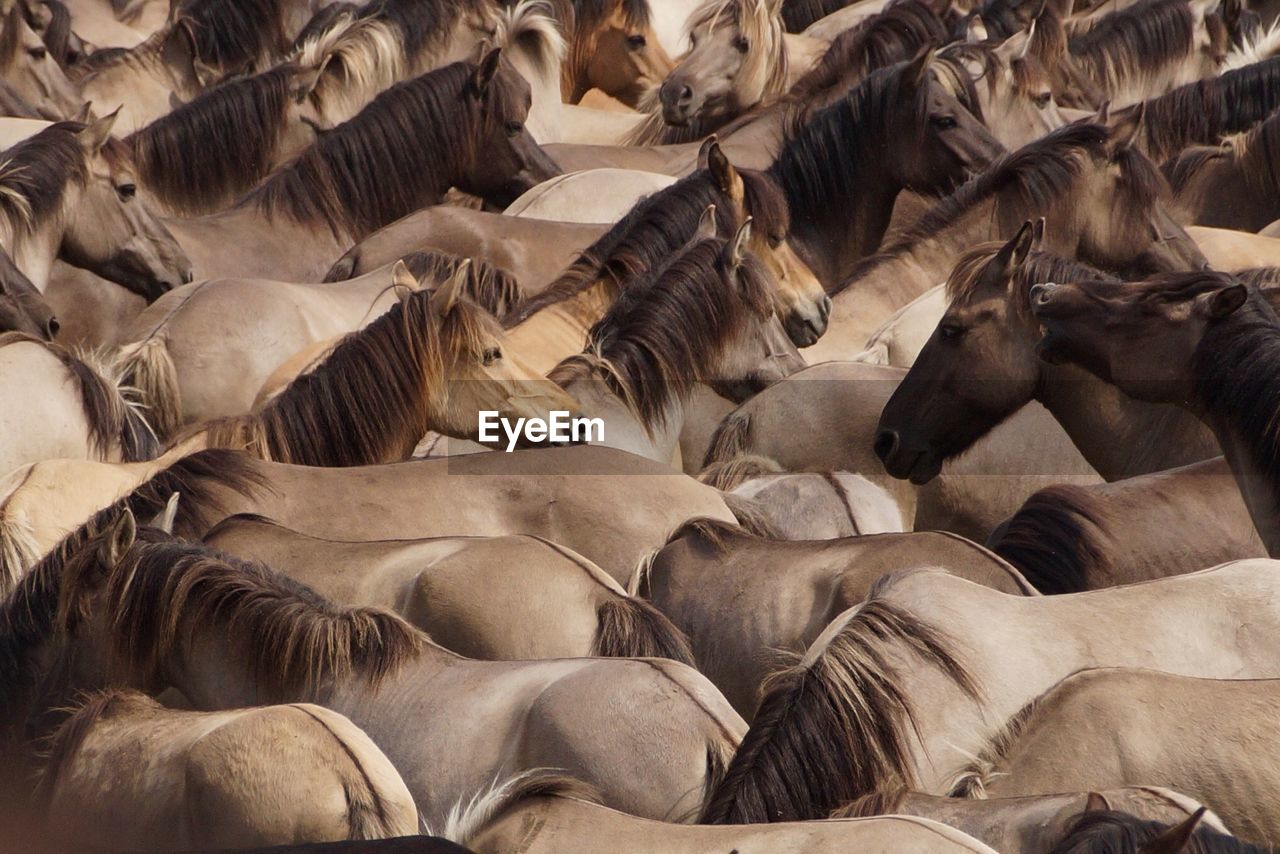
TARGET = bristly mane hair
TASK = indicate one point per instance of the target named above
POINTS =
(297, 643)
(1255, 155)
(799, 15)
(39, 604)
(35, 175)
(662, 332)
(65, 742)
(1235, 367)
(967, 275)
(834, 726)
(209, 152)
(1201, 113)
(370, 400)
(1057, 540)
(896, 34)
(1110, 832)
(655, 228)
(234, 37)
(883, 802)
(401, 153)
(825, 156)
(425, 25)
(115, 421)
(971, 780)
(494, 290)
(1135, 41)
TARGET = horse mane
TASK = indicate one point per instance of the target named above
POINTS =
(712, 532)
(883, 802)
(1112, 832)
(424, 25)
(107, 57)
(656, 227)
(1255, 154)
(1265, 278)
(799, 15)
(754, 23)
(825, 155)
(895, 34)
(728, 475)
(493, 289)
(362, 175)
(65, 742)
(235, 36)
(1204, 111)
(970, 781)
(967, 277)
(655, 341)
(114, 418)
(368, 401)
(834, 726)
(57, 33)
(529, 29)
(358, 58)
(1056, 540)
(468, 817)
(213, 149)
(1135, 41)
(36, 172)
(1258, 46)
(298, 643)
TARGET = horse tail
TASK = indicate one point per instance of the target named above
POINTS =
(752, 516)
(730, 438)
(469, 817)
(627, 627)
(379, 805)
(834, 726)
(1054, 540)
(147, 367)
(112, 406)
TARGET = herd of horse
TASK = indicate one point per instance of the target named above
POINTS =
(938, 475)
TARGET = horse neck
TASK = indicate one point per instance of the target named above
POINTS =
(34, 251)
(1119, 436)
(622, 427)
(360, 300)
(560, 328)
(209, 242)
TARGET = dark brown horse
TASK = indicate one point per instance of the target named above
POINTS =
(1232, 185)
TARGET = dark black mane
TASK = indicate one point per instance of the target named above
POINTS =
(214, 149)
(1107, 832)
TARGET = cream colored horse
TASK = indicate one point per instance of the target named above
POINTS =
(1230, 250)
(593, 195)
(494, 598)
(28, 68)
(272, 775)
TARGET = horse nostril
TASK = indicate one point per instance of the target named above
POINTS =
(886, 444)
(52, 328)
(1042, 293)
(826, 307)
(686, 94)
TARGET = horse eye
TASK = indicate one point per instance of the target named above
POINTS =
(1042, 100)
(741, 44)
(38, 52)
(950, 331)
(127, 191)
(943, 122)
(637, 41)
(775, 240)
(492, 355)
(514, 128)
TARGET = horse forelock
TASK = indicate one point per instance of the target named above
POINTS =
(36, 173)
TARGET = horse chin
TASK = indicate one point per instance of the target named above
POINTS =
(804, 331)
(1050, 351)
(926, 467)
(140, 279)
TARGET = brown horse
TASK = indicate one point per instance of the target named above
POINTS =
(216, 779)
(1242, 169)
(1086, 723)
(1081, 167)
(902, 689)
(744, 615)
(30, 71)
(462, 126)
(1202, 341)
(291, 645)
(612, 47)
(22, 307)
(980, 366)
(494, 598)
(67, 192)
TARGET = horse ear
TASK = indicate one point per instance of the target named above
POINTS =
(85, 113)
(1037, 233)
(706, 224)
(485, 71)
(1096, 802)
(1026, 46)
(1225, 302)
(1103, 116)
(305, 80)
(1231, 11)
(165, 519)
(724, 174)
(446, 297)
(96, 133)
(402, 279)
(975, 32)
(704, 152)
(1014, 253)
(919, 65)
(118, 539)
(1124, 132)
(738, 245)
(1176, 838)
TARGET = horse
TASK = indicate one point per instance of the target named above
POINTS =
(22, 307)
(30, 71)
(493, 598)
(859, 719)
(705, 317)
(166, 347)
(1035, 823)
(216, 779)
(1082, 707)
(59, 405)
(1200, 340)
(744, 617)
(467, 124)
(1241, 168)
(1080, 167)
(1120, 832)
(546, 813)
(612, 47)
(67, 192)
(291, 645)
(980, 365)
